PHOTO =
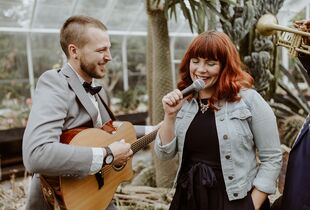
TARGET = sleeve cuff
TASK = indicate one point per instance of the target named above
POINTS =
(265, 185)
(97, 161)
(167, 151)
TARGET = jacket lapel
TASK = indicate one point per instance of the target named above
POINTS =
(78, 89)
(303, 131)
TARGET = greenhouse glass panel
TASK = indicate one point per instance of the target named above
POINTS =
(15, 13)
(14, 85)
(46, 53)
(101, 9)
(51, 14)
(126, 14)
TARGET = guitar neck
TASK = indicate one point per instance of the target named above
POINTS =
(143, 141)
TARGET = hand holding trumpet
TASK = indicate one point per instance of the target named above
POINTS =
(303, 25)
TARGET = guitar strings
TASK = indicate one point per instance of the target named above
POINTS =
(135, 147)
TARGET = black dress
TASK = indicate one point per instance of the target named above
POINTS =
(200, 184)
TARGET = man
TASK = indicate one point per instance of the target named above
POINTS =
(296, 194)
(61, 103)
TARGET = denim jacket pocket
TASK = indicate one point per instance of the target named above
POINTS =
(241, 120)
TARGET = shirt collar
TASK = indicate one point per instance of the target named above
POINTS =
(80, 78)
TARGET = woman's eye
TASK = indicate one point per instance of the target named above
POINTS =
(211, 63)
(195, 61)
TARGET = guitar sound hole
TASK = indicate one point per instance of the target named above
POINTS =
(119, 168)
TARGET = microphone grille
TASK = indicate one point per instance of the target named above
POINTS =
(198, 84)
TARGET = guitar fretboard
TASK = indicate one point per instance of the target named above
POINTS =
(143, 141)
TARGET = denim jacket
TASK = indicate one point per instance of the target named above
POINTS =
(245, 128)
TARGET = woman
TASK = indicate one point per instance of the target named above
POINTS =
(217, 131)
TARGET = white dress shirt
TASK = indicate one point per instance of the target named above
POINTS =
(97, 151)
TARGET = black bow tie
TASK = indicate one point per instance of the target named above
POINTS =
(92, 90)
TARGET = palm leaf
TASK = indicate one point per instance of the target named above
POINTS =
(195, 12)
(214, 10)
(229, 2)
(300, 97)
(302, 71)
(194, 7)
(281, 110)
(201, 13)
(288, 101)
(187, 14)
(295, 98)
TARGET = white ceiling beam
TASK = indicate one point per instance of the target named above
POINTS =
(74, 5)
(111, 32)
(33, 12)
(108, 11)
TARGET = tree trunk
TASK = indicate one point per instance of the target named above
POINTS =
(162, 75)
(149, 70)
(165, 171)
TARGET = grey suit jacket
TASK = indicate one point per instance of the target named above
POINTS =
(59, 103)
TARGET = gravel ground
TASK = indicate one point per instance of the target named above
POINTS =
(13, 193)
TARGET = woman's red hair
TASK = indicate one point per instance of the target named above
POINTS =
(217, 46)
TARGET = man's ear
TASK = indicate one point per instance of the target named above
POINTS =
(73, 51)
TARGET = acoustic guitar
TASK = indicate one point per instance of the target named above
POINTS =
(87, 193)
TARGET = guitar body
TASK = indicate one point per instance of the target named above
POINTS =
(84, 193)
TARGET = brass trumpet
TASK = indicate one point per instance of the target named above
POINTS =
(289, 38)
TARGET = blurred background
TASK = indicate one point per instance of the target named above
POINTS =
(149, 38)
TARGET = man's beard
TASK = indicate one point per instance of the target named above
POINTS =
(89, 69)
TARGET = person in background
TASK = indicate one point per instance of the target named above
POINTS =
(65, 99)
(218, 132)
(304, 25)
(296, 193)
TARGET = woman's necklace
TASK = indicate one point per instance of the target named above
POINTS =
(203, 107)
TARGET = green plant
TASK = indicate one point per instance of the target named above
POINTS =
(290, 102)
(14, 111)
(129, 100)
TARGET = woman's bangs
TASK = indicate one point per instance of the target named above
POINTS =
(206, 49)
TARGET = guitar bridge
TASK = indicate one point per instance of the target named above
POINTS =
(100, 179)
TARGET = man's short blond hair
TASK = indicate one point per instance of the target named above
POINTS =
(73, 31)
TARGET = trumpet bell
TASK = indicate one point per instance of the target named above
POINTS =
(265, 25)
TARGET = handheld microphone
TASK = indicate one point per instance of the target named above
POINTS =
(197, 85)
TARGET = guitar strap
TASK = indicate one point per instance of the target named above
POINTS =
(105, 113)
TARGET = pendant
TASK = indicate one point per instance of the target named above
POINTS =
(203, 107)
